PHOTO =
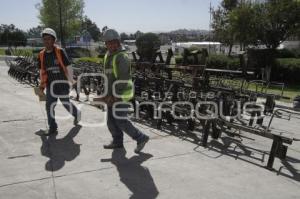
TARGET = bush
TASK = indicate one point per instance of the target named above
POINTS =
(147, 45)
(233, 64)
(217, 61)
(286, 70)
(286, 53)
(7, 52)
(296, 52)
(289, 63)
(77, 52)
(190, 60)
(178, 59)
(260, 58)
(222, 62)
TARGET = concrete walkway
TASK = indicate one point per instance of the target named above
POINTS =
(74, 165)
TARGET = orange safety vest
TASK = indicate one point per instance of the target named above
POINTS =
(43, 72)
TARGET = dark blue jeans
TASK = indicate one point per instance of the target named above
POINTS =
(117, 126)
(51, 101)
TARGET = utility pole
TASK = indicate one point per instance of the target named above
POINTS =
(61, 26)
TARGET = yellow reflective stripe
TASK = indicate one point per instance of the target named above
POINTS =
(115, 63)
(104, 61)
(128, 93)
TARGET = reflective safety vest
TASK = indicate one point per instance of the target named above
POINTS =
(128, 91)
(43, 72)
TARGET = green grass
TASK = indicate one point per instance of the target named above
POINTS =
(18, 52)
(2, 51)
(289, 92)
(90, 59)
(22, 52)
(289, 62)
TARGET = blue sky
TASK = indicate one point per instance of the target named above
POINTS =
(123, 15)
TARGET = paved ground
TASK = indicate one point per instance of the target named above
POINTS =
(74, 165)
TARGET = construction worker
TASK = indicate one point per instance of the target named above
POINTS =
(117, 67)
(56, 77)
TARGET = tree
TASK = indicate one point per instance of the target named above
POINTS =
(131, 36)
(35, 32)
(71, 16)
(274, 22)
(278, 20)
(92, 28)
(12, 36)
(269, 22)
(242, 21)
(5, 27)
(124, 36)
(222, 28)
(229, 4)
(104, 28)
(137, 34)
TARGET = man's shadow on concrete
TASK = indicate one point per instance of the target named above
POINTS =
(59, 150)
(133, 175)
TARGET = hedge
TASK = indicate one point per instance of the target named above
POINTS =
(287, 70)
(217, 61)
(286, 53)
(77, 52)
(223, 62)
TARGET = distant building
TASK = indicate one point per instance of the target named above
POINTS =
(129, 42)
(83, 39)
(34, 42)
(129, 45)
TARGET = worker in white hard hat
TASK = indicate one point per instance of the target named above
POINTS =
(117, 67)
(56, 77)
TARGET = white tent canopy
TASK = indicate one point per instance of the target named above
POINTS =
(210, 46)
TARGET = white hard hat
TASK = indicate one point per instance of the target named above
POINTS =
(49, 31)
(111, 34)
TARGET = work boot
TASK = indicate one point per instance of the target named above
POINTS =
(51, 131)
(113, 146)
(141, 144)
